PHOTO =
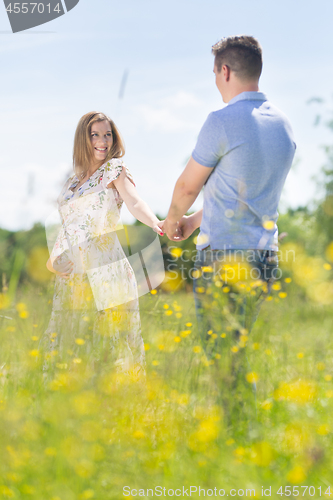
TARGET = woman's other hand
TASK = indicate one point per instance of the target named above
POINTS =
(62, 269)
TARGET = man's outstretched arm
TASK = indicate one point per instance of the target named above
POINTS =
(186, 191)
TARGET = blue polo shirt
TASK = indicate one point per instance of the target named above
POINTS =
(249, 147)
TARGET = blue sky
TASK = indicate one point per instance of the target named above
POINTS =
(55, 73)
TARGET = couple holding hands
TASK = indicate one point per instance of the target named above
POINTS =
(242, 157)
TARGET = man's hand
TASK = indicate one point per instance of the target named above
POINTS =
(170, 229)
(185, 227)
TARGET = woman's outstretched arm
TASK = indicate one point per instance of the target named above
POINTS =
(138, 208)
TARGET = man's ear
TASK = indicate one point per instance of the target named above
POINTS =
(226, 72)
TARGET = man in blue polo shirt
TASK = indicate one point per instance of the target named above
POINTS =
(242, 157)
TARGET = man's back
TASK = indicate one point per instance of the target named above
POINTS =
(250, 144)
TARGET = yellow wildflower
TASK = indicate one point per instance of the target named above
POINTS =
(296, 475)
(323, 430)
(252, 377)
(266, 405)
(262, 454)
(300, 391)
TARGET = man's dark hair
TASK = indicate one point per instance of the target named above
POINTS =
(242, 54)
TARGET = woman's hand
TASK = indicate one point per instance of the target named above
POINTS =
(61, 268)
(158, 228)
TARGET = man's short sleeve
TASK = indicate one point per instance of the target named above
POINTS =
(211, 144)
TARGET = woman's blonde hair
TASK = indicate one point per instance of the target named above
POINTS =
(83, 153)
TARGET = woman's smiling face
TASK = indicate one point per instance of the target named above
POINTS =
(101, 139)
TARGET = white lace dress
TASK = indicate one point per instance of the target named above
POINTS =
(96, 310)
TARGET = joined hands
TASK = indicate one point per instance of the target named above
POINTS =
(177, 231)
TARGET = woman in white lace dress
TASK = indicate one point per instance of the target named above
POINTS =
(95, 305)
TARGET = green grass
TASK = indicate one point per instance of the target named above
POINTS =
(87, 434)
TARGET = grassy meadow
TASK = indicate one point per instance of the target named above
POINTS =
(87, 433)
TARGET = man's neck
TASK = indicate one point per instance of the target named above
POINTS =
(239, 89)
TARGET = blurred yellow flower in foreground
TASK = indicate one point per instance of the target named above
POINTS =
(235, 272)
(172, 281)
(176, 252)
(207, 269)
(252, 377)
(21, 306)
(185, 333)
(295, 437)
(300, 391)
(4, 301)
(138, 435)
(262, 454)
(296, 475)
(266, 405)
(200, 239)
(308, 270)
(321, 292)
(323, 430)
(268, 225)
(207, 432)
